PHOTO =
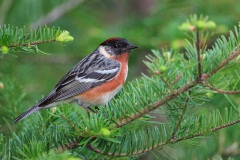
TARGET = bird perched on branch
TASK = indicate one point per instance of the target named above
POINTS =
(95, 80)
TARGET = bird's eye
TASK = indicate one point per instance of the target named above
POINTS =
(117, 45)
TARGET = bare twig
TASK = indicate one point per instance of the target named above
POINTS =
(199, 56)
(4, 8)
(57, 12)
(177, 78)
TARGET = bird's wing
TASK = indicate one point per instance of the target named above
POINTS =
(92, 71)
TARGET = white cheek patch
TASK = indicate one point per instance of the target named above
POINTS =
(103, 51)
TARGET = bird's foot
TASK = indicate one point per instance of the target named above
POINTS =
(88, 109)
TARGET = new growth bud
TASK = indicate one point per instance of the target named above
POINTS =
(5, 49)
(162, 69)
(187, 27)
(105, 132)
(200, 24)
(210, 25)
(64, 37)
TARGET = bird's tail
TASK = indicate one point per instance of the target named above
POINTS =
(27, 113)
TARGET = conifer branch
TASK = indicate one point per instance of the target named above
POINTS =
(176, 93)
(31, 43)
(69, 146)
(204, 133)
(96, 150)
(219, 90)
(177, 78)
(166, 83)
(180, 118)
(234, 54)
(72, 125)
(14, 39)
(161, 144)
(156, 104)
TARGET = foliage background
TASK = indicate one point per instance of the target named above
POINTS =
(151, 24)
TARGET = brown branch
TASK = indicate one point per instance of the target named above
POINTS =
(156, 104)
(31, 43)
(4, 8)
(68, 146)
(57, 12)
(166, 83)
(222, 64)
(219, 90)
(177, 78)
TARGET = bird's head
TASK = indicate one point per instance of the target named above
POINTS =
(116, 46)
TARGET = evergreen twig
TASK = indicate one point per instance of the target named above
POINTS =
(234, 54)
(204, 133)
(31, 43)
(71, 124)
(157, 104)
(220, 90)
(161, 144)
(176, 92)
(57, 12)
(177, 78)
(180, 118)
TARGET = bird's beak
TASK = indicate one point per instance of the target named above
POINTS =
(132, 46)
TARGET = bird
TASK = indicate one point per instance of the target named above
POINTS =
(95, 80)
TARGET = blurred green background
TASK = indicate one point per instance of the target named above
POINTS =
(150, 24)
